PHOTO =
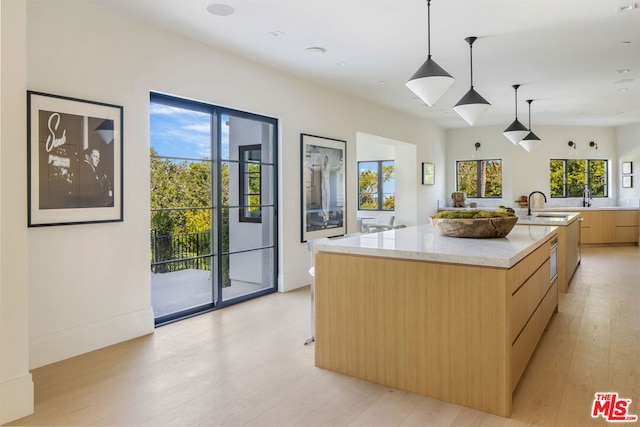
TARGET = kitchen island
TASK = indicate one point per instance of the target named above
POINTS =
(450, 318)
(569, 254)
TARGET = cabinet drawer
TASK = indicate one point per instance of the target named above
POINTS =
(626, 218)
(523, 348)
(626, 234)
(519, 273)
(525, 300)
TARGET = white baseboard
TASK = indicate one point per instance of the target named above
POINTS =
(16, 398)
(60, 345)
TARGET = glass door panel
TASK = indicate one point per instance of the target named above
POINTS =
(181, 210)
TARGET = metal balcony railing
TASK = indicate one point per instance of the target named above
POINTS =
(175, 252)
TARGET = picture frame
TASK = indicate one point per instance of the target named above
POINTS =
(323, 187)
(428, 173)
(75, 161)
(627, 181)
(627, 167)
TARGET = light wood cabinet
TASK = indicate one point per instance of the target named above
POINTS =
(455, 332)
(626, 230)
(573, 241)
(568, 253)
(609, 227)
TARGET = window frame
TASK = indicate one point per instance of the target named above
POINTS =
(244, 176)
(478, 163)
(588, 178)
(381, 193)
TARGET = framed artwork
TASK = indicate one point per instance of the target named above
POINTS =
(74, 152)
(428, 173)
(627, 167)
(323, 189)
(627, 181)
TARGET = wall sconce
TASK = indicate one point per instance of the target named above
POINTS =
(593, 145)
(572, 149)
(477, 145)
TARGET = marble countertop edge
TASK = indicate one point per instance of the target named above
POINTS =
(423, 243)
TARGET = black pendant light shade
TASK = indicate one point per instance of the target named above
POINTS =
(472, 105)
(516, 130)
(431, 81)
(530, 141)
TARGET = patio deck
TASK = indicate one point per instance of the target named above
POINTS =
(179, 290)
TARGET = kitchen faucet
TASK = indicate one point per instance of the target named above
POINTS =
(586, 197)
(529, 201)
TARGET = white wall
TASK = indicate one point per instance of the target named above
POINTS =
(16, 385)
(628, 144)
(524, 172)
(89, 285)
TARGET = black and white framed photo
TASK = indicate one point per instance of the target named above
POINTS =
(323, 187)
(627, 167)
(627, 181)
(428, 173)
(74, 160)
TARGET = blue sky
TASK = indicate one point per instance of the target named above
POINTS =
(177, 132)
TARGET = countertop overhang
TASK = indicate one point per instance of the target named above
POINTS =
(423, 243)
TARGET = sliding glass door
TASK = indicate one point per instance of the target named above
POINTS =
(213, 206)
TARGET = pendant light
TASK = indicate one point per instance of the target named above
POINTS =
(516, 130)
(430, 81)
(472, 105)
(530, 141)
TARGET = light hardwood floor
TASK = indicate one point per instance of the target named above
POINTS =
(247, 365)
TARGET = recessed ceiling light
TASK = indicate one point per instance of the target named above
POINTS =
(277, 33)
(625, 42)
(382, 82)
(342, 63)
(623, 71)
(315, 50)
(623, 89)
(622, 81)
(220, 9)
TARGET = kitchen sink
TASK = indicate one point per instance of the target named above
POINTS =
(551, 215)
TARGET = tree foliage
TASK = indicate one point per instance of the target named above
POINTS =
(371, 187)
(181, 208)
(480, 178)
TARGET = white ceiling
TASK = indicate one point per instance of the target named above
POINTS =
(565, 54)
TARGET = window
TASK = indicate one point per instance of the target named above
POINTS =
(479, 178)
(249, 175)
(568, 177)
(376, 182)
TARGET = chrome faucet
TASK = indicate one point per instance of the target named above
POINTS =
(529, 200)
(586, 197)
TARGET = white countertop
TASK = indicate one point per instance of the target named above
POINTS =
(594, 208)
(423, 243)
(543, 218)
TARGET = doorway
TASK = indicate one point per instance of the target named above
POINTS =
(213, 237)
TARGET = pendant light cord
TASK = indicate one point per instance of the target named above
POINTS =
(516, 88)
(471, 61)
(428, 28)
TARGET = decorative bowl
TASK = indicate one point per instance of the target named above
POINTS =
(474, 228)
